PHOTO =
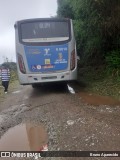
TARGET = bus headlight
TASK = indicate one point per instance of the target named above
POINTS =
(72, 60)
(21, 64)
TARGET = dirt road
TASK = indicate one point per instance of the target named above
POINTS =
(60, 120)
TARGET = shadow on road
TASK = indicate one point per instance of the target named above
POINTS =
(50, 88)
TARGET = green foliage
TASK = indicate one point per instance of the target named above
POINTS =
(113, 63)
(10, 65)
(113, 59)
(98, 81)
(64, 9)
(97, 32)
(96, 24)
(13, 76)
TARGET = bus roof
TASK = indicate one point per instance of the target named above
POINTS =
(42, 19)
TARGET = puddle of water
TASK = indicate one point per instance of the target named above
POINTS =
(97, 99)
(24, 137)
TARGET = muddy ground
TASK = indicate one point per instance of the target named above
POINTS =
(51, 115)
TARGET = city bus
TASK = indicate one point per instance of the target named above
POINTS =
(45, 50)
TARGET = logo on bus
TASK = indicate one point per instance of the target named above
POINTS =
(47, 50)
(47, 61)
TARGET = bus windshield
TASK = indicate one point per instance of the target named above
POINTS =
(50, 31)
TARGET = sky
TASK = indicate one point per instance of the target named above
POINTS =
(14, 10)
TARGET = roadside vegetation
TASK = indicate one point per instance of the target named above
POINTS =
(99, 81)
(97, 31)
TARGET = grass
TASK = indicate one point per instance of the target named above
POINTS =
(99, 81)
(13, 81)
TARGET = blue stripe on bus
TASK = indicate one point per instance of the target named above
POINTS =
(47, 58)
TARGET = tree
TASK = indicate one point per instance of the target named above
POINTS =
(96, 24)
(10, 65)
(64, 9)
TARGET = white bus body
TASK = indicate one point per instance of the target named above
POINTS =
(45, 50)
